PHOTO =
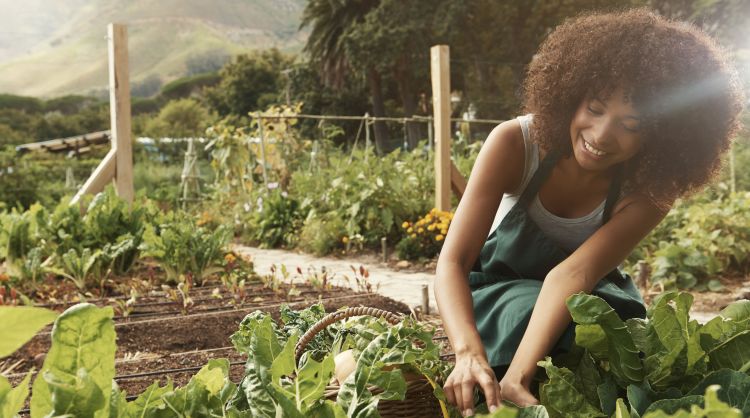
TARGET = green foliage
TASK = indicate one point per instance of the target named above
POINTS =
(250, 82)
(188, 86)
(424, 238)
(359, 190)
(321, 235)
(182, 248)
(655, 367)
(77, 374)
(275, 220)
(699, 239)
(18, 324)
(182, 118)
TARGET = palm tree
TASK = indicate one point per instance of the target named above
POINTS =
(330, 20)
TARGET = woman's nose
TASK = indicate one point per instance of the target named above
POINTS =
(602, 132)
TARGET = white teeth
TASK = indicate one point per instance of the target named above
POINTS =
(592, 150)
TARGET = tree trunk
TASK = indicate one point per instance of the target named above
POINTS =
(409, 102)
(378, 110)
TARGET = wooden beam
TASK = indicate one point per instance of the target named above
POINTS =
(458, 182)
(102, 175)
(440, 74)
(119, 105)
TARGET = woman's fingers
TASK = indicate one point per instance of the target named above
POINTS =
(491, 391)
(467, 396)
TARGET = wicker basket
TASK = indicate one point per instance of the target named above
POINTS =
(420, 402)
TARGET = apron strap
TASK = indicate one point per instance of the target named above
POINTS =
(541, 174)
(613, 195)
(546, 166)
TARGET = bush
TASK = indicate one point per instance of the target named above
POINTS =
(322, 234)
(424, 238)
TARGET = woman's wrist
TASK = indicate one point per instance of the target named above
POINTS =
(520, 375)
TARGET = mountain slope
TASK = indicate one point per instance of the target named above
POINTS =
(163, 37)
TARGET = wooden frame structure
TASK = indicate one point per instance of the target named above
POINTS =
(447, 176)
(117, 165)
(78, 144)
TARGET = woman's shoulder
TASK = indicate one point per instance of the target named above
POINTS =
(505, 151)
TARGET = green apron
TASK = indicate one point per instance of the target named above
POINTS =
(507, 277)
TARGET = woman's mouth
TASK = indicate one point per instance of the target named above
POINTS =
(592, 149)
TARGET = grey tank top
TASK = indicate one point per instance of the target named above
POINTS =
(568, 233)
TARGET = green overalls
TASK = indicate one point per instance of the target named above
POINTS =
(506, 279)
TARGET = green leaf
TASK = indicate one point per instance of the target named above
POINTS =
(731, 354)
(310, 383)
(18, 324)
(671, 406)
(149, 400)
(206, 394)
(607, 392)
(81, 359)
(735, 388)
(621, 351)
(563, 393)
(621, 411)
(12, 399)
(675, 354)
(536, 411)
(715, 285)
(714, 408)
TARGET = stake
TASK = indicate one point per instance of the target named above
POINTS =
(425, 300)
(384, 247)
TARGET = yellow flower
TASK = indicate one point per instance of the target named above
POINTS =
(428, 218)
(405, 225)
(420, 230)
(345, 240)
(413, 235)
(430, 227)
(439, 238)
(410, 230)
(443, 231)
(229, 257)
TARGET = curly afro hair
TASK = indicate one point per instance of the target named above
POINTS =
(677, 77)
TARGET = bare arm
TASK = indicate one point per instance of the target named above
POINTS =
(581, 271)
(498, 169)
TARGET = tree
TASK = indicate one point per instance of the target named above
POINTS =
(330, 23)
(250, 82)
(183, 118)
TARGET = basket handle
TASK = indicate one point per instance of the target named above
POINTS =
(332, 317)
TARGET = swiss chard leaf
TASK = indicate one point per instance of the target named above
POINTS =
(563, 393)
(18, 324)
(734, 388)
(621, 351)
(81, 359)
(12, 399)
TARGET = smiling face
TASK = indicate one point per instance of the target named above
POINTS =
(605, 131)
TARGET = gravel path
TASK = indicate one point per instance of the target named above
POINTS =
(402, 286)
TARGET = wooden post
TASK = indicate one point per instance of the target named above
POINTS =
(119, 106)
(118, 164)
(262, 149)
(440, 71)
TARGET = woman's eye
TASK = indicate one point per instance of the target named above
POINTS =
(633, 129)
(594, 111)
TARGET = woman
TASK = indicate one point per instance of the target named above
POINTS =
(626, 112)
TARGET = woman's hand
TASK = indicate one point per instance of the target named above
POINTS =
(471, 369)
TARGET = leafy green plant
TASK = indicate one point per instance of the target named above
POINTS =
(321, 235)
(699, 240)
(82, 267)
(638, 367)
(180, 247)
(275, 219)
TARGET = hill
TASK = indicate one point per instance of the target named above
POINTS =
(167, 39)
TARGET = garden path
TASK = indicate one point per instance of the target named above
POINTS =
(401, 285)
